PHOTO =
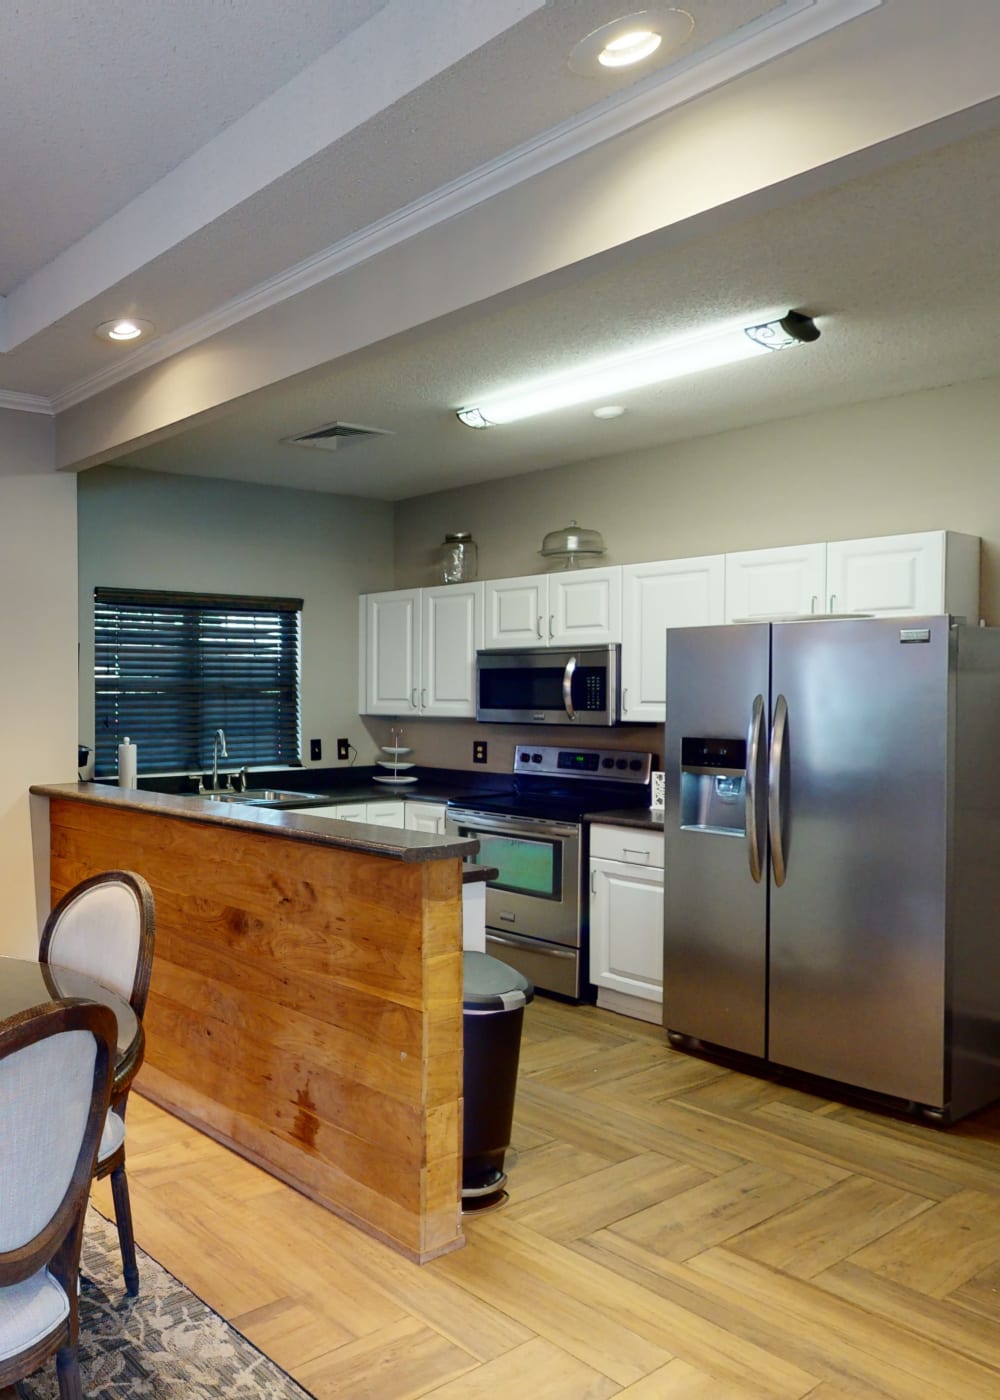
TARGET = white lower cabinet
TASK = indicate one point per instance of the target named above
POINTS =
(375, 813)
(626, 920)
(424, 816)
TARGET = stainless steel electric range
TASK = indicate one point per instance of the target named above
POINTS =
(534, 836)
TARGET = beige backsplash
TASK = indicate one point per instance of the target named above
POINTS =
(447, 743)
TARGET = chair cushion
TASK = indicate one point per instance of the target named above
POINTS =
(29, 1311)
(112, 1137)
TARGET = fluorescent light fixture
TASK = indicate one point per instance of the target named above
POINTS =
(653, 364)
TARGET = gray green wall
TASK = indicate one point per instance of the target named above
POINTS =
(150, 530)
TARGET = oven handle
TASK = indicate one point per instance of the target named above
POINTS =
(567, 687)
(505, 825)
(493, 937)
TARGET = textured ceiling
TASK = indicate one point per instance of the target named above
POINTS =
(192, 163)
(898, 267)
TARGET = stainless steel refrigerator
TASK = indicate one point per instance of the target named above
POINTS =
(832, 862)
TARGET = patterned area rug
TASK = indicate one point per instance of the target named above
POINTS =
(165, 1343)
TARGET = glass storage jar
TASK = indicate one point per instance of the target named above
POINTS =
(459, 557)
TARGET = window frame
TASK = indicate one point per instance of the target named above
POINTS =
(233, 662)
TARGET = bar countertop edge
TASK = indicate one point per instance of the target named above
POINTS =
(294, 825)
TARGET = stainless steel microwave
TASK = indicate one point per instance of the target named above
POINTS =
(549, 685)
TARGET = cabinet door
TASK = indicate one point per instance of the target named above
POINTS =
(385, 814)
(899, 574)
(392, 648)
(424, 816)
(585, 607)
(626, 928)
(774, 583)
(670, 593)
(450, 632)
(342, 811)
(516, 610)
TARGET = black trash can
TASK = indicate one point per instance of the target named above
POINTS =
(494, 998)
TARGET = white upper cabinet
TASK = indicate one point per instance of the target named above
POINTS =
(774, 583)
(516, 611)
(580, 607)
(668, 593)
(585, 607)
(391, 648)
(935, 571)
(451, 632)
(419, 650)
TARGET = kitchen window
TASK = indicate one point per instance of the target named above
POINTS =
(172, 668)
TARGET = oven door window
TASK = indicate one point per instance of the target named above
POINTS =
(526, 866)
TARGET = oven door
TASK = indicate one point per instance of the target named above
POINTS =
(536, 892)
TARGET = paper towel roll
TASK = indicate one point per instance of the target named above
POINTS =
(127, 760)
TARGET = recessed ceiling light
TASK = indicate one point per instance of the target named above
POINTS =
(630, 48)
(631, 40)
(124, 329)
(610, 410)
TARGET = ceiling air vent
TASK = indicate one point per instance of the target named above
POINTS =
(334, 436)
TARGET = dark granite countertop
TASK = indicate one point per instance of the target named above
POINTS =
(645, 818)
(294, 825)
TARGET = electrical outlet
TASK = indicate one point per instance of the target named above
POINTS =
(343, 748)
(315, 749)
(479, 751)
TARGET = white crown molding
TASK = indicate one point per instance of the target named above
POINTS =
(26, 403)
(774, 34)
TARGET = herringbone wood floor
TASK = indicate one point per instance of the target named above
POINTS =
(676, 1231)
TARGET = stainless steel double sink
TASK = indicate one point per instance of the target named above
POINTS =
(263, 797)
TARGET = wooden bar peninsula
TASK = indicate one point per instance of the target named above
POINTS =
(306, 999)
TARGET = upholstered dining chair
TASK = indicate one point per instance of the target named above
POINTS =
(104, 927)
(56, 1064)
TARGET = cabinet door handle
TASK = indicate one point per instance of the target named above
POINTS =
(643, 855)
(814, 601)
(413, 698)
(593, 882)
(833, 599)
(539, 627)
(625, 701)
(552, 627)
(423, 699)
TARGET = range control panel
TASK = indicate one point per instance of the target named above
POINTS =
(605, 765)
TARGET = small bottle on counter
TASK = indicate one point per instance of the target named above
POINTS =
(128, 755)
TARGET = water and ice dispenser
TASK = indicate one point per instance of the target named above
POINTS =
(713, 785)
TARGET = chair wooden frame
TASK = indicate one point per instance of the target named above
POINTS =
(57, 1245)
(114, 1165)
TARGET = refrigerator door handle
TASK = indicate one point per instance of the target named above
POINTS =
(775, 768)
(753, 761)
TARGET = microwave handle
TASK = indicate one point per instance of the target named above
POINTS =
(567, 687)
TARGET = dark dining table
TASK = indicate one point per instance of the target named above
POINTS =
(25, 984)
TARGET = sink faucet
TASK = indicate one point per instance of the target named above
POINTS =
(220, 737)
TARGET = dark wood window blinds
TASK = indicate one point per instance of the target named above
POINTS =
(172, 668)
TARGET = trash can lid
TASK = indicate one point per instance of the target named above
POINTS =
(491, 985)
